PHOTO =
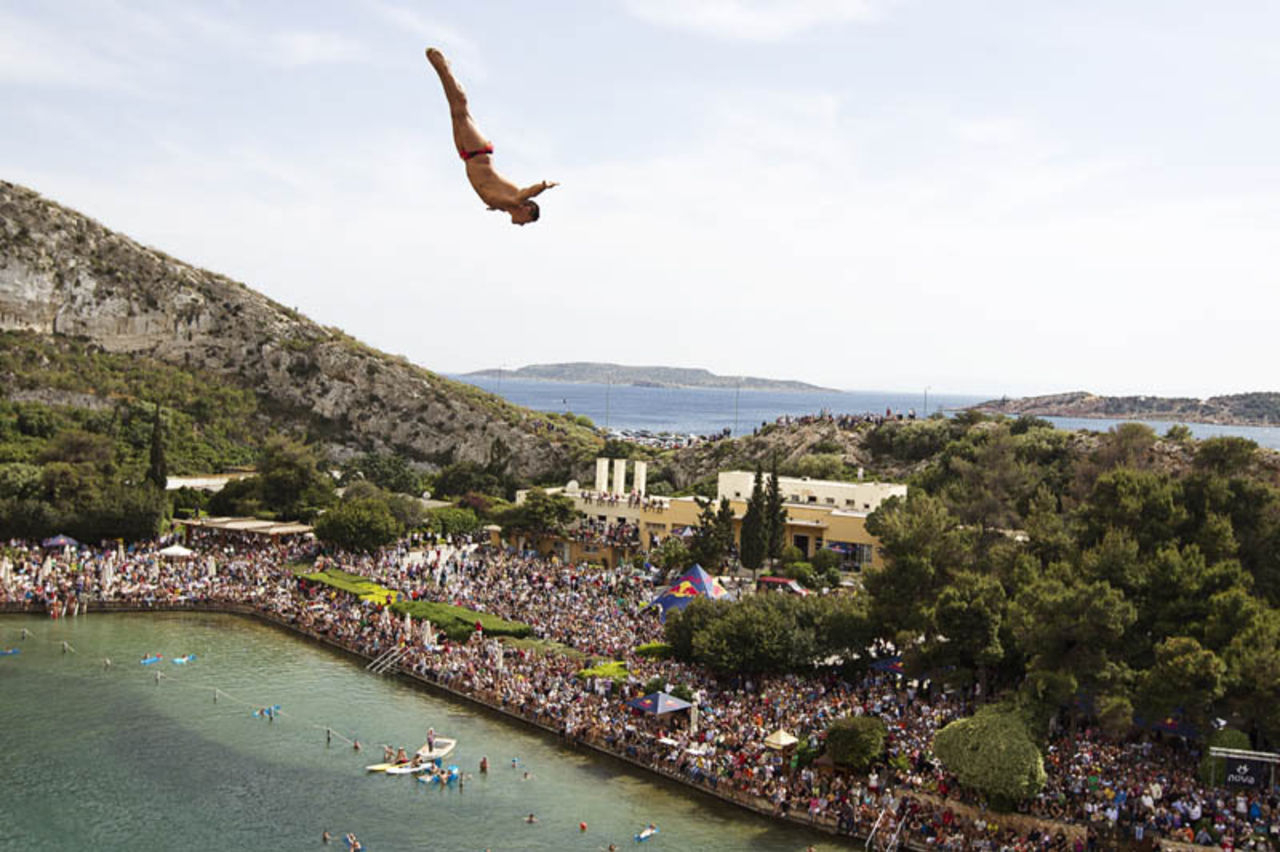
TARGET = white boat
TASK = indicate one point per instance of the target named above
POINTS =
(409, 768)
(443, 748)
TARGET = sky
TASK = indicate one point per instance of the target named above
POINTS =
(974, 196)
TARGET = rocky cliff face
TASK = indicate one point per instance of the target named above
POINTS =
(62, 273)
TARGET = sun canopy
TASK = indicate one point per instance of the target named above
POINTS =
(658, 703)
(60, 540)
(779, 740)
(176, 550)
(693, 583)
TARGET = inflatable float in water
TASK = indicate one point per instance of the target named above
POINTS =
(646, 834)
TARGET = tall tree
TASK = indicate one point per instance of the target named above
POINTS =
(539, 513)
(1072, 632)
(751, 544)
(158, 470)
(292, 483)
(1185, 676)
(924, 545)
(713, 537)
(775, 516)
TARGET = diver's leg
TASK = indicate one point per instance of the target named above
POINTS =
(466, 136)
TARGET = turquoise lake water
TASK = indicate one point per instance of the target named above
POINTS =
(107, 759)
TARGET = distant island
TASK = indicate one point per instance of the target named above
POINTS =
(1243, 409)
(651, 377)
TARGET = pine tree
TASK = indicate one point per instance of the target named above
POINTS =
(775, 516)
(752, 545)
(158, 470)
(713, 537)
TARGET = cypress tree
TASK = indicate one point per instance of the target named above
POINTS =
(775, 516)
(752, 545)
(158, 470)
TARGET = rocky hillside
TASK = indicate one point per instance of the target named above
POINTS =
(1246, 409)
(62, 273)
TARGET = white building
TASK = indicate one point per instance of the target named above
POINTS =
(857, 497)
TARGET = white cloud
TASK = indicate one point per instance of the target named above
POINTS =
(753, 20)
(299, 48)
(435, 33)
(37, 54)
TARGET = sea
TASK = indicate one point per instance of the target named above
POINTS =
(707, 411)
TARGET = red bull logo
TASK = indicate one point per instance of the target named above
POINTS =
(683, 589)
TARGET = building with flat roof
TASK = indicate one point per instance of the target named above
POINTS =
(859, 496)
(620, 521)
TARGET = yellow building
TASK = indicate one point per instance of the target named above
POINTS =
(620, 522)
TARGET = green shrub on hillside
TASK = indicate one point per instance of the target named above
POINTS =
(992, 752)
(856, 741)
(453, 520)
(359, 525)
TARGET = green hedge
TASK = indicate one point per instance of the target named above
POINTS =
(654, 650)
(458, 623)
(616, 670)
(362, 587)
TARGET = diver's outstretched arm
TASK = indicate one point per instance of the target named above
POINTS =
(537, 189)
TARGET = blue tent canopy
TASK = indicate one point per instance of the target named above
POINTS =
(60, 540)
(658, 703)
(693, 583)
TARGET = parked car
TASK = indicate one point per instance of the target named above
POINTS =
(785, 585)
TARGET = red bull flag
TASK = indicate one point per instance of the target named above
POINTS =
(693, 583)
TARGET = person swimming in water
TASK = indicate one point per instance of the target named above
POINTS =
(531, 819)
(477, 154)
(484, 763)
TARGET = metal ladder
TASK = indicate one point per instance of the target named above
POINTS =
(385, 661)
(872, 834)
(897, 836)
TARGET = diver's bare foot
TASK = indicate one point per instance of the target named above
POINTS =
(435, 57)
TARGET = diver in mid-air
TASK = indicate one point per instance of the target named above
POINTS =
(477, 153)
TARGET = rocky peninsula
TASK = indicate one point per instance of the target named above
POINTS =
(1245, 409)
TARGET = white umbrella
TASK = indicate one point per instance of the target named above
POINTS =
(779, 740)
(176, 551)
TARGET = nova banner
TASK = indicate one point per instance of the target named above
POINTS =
(1242, 772)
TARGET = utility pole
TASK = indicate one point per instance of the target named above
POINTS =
(736, 393)
(608, 388)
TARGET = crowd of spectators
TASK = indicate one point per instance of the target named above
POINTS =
(604, 533)
(847, 422)
(634, 500)
(1098, 788)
